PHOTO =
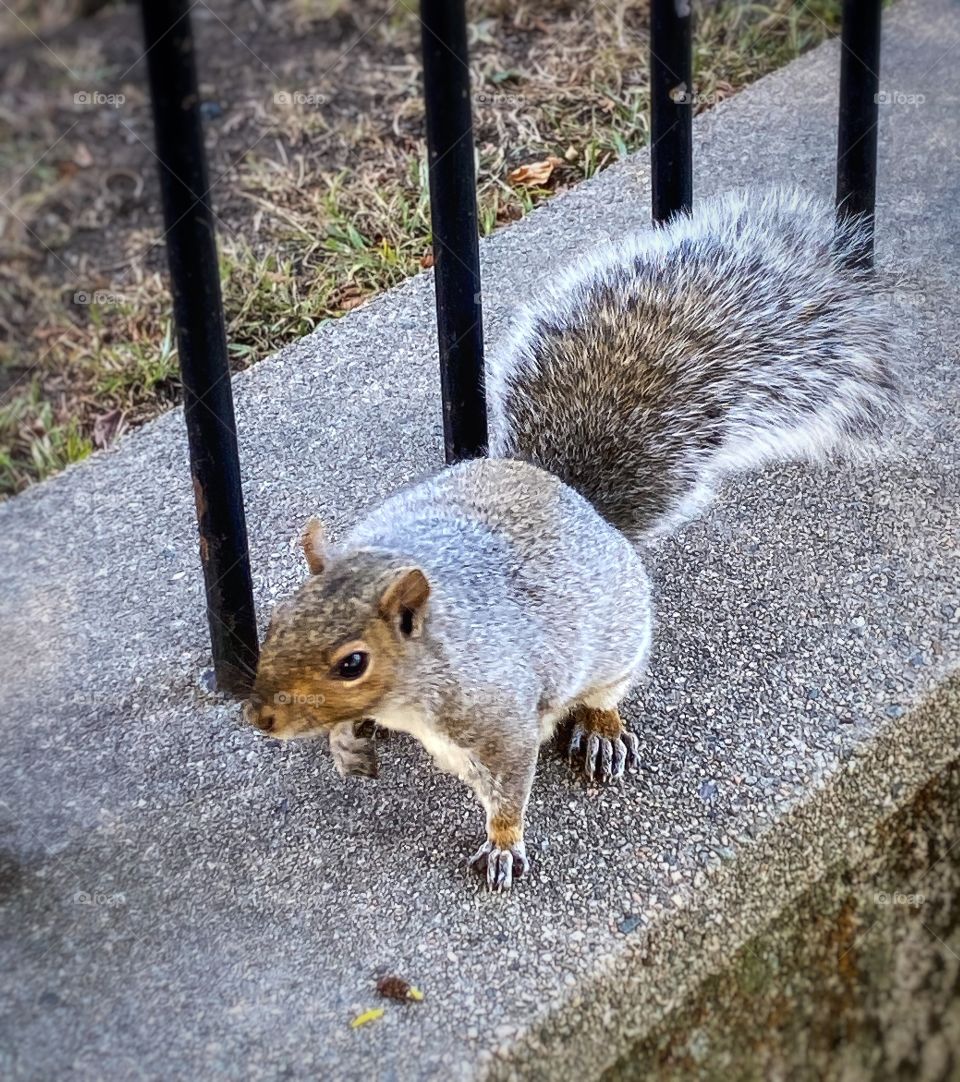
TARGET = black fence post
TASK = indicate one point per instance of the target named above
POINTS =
(857, 128)
(671, 108)
(453, 216)
(201, 341)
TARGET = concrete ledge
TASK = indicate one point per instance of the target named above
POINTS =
(181, 899)
(857, 976)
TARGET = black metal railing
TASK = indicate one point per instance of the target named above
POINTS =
(191, 247)
(201, 341)
(671, 108)
(453, 220)
(859, 105)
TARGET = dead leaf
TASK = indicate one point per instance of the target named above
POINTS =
(536, 174)
(107, 427)
(394, 987)
(426, 260)
(348, 296)
(509, 213)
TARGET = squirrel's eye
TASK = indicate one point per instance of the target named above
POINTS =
(353, 665)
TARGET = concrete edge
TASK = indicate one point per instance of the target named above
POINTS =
(659, 968)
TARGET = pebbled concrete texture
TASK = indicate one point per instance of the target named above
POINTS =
(857, 978)
(181, 898)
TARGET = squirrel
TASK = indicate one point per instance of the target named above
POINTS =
(483, 607)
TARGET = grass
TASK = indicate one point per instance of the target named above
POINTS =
(36, 439)
(302, 238)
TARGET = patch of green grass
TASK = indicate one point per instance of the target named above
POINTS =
(738, 43)
(334, 245)
(127, 372)
(34, 441)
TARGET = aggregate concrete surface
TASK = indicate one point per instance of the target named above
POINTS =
(184, 899)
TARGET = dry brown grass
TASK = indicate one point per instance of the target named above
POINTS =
(321, 200)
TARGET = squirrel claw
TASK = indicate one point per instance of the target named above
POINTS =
(604, 760)
(501, 865)
(354, 751)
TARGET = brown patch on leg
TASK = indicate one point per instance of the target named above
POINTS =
(605, 723)
(505, 829)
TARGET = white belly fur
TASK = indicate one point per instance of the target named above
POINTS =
(445, 753)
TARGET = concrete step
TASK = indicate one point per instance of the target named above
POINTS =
(182, 899)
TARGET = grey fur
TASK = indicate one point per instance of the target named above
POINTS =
(536, 602)
(354, 755)
(716, 343)
(639, 380)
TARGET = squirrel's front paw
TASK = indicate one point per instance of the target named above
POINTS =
(501, 865)
(607, 747)
(354, 755)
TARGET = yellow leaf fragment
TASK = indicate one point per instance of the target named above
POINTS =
(368, 1016)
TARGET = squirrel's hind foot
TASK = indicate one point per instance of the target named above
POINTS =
(607, 746)
(503, 855)
(501, 865)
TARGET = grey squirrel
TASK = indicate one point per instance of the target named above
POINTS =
(481, 608)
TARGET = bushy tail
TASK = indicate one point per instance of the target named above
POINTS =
(713, 344)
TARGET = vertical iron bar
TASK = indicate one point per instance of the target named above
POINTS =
(453, 216)
(201, 341)
(857, 128)
(671, 108)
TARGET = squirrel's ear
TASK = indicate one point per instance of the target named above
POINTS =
(403, 601)
(312, 541)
